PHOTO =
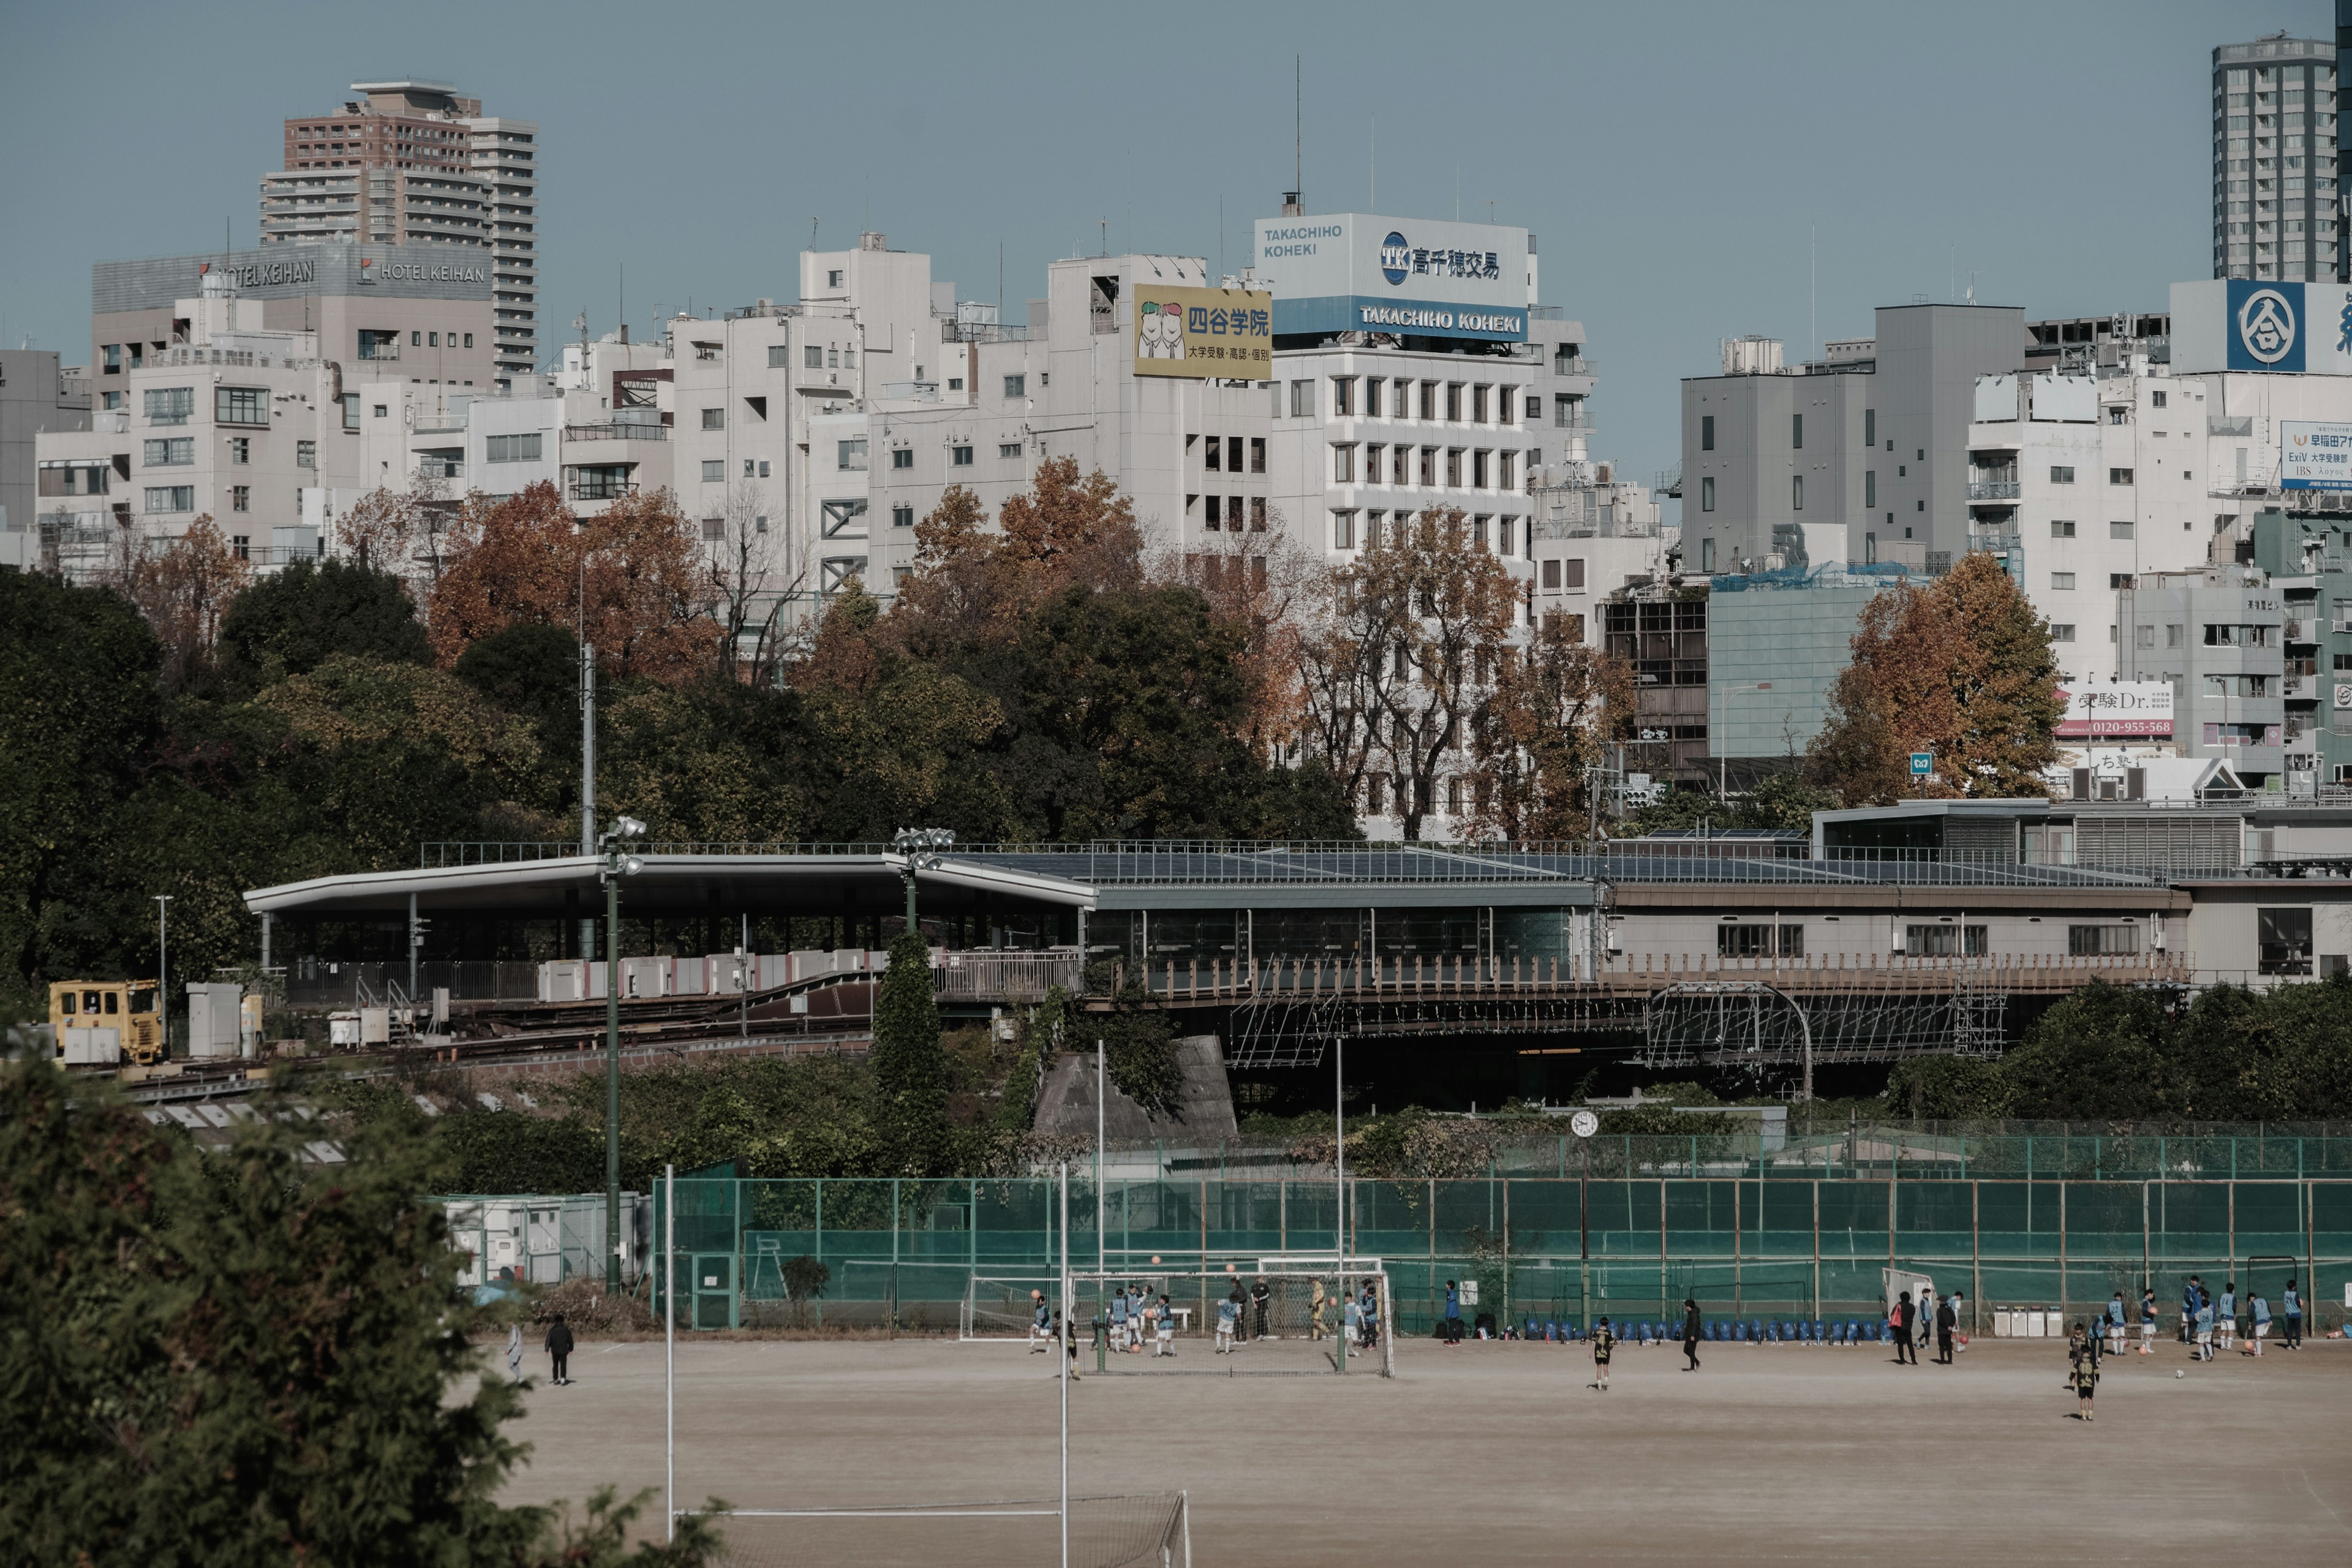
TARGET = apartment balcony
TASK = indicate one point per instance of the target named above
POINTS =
(1992, 489)
(620, 430)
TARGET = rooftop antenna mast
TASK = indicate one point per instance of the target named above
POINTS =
(1299, 124)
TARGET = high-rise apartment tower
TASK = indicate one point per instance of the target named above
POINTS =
(409, 162)
(2275, 206)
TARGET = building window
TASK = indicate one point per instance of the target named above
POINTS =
(240, 449)
(1796, 492)
(352, 411)
(2062, 631)
(1478, 405)
(2283, 937)
(845, 519)
(1797, 432)
(378, 344)
(1016, 386)
(2155, 399)
(1343, 530)
(1454, 467)
(759, 523)
(1429, 466)
(714, 470)
(1258, 455)
(1706, 495)
(1453, 401)
(1009, 449)
(747, 468)
(780, 356)
(2062, 582)
(763, 467)
(850, 456)
(171, 498)
(960, 456)
(1478, 469)
(417, 339)
(383, 410)
(714, 419)
(113, 355)
(812, 356)
(1744, 941)
(170, 405)
(306, 454)
(714, 529)
(2119, 476)
(1534, 410)
(1302, 400)
(1707, 555)
(2062, 528)
(1944, 941)
(1343, 464)
(1870, 489)
(241, 544)
(523, 448)
(2120, 580)
(1429, 400)
(902, 457)
(1869, 426)
(2059, 475)
(2119, 531)
(175, 452)
(1551, 575)
(1343, 398)
(240, 498)
(902, 517)
(2102, 941)
(1256, 513)
(1209, 505)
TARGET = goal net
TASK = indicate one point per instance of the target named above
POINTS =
(1149, 1530)
(1236, 1321)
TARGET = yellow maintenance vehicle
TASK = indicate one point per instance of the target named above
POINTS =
(100, 1023)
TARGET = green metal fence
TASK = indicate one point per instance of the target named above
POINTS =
(1769, 1240)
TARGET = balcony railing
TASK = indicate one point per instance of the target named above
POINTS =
(600, 490)
(1992, 489)
(625, 430)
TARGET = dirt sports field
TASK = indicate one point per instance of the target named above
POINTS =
(1493, 1453)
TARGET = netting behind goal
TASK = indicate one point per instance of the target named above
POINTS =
(1149, 1530)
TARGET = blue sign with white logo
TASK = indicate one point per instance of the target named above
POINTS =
(1922, 764)
(1396, 258)
(2266, 326)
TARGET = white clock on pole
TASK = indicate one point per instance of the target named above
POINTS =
(1584, 1124)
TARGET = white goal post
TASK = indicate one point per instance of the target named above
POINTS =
(1285, 1316)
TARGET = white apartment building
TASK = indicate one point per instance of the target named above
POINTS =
(231, 420)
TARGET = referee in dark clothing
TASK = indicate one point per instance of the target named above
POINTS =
(1946, 1322)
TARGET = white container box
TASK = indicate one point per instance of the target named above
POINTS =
(94, 1046)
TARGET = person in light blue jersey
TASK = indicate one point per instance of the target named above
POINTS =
(2225, 1317)
(2292, 1338)
(2258, 1307)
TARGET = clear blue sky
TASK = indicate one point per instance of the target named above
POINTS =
(1675, 160)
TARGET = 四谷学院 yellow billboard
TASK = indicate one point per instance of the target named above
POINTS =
(1205, 333)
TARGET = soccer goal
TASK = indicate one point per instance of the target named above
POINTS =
(1144, 1531)
(1284, 1315)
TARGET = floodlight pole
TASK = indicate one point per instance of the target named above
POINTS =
(1102, 1091)
(669, 1343)
(163, 968)
(1062, 1354)
(1340, 1197)
(612, 1074)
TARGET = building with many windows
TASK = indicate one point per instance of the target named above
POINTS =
(2274, 198)
(409, 162)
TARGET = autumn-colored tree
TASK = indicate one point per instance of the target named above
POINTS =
(1262, 585)
(627, 578)
(1413, 636)
(1556, 707)
(971, 585)
(1961, 668)
(184, 589)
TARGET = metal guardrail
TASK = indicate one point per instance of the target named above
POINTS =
(617, 431)
(1992, 489)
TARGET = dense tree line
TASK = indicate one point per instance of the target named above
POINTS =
(194, 733)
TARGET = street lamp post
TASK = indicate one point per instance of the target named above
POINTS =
(164, 967)
(618, 863)
(1723, 758)
(921, 849)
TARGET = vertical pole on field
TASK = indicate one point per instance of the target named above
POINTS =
(1102, 1092)
(1339, 1195)
(1062, 1354)
(669, 1345)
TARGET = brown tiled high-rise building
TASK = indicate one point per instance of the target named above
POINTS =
(408, 163)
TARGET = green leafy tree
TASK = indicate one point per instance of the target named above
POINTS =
(294, 621)
(909, 1071)
(80, 707)
(234, 1357)
(2099, 1053)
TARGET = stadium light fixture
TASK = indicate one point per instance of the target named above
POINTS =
(920, 849)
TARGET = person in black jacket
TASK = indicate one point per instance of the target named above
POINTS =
(1261, 1293)
(1907, 1325)
(1690, 1332)
(1946, 1322)
(559, 1348)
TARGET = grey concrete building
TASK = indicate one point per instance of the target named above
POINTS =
(36, 394)
(2274, 213)
(1862, 456)
(2219, 636)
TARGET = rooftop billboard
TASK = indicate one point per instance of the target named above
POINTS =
(1358, 272)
